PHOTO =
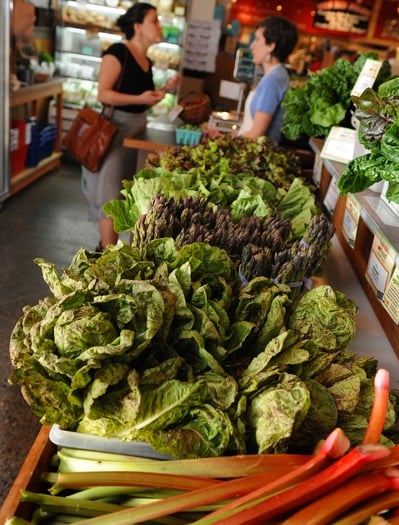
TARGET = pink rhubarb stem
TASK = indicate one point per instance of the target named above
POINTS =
(286, 501)
(379, 409)
(335, 446)
(355, 491)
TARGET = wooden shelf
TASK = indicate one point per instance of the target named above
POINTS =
(31, 96)
(358, 256)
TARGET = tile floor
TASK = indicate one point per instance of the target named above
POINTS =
(47, 219)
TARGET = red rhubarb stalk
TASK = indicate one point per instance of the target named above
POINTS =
(258, 512)
(379, 409)
(376, 505)
(335, 446)
(358, 489)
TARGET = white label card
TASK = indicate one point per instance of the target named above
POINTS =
(351, 219)
(391, 296)
(367, 76)
(381, 264)
(339, 145)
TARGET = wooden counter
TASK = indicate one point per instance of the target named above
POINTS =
(151, 139)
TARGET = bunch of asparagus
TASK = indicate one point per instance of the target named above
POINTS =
(262, 245)
(193, 219)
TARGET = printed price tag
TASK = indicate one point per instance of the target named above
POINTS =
(381, 264)
(391, 296)
(175, 112)
(367, 76)
(332, 195)
(317, 169)
(351, 219)
(339, 145)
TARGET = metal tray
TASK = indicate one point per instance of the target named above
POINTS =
(69, 439)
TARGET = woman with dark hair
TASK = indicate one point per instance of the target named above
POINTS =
(275, 39)
(125, 82)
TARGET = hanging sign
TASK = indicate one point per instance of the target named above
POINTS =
(343, 17)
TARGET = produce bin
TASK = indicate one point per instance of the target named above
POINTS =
(36, 462)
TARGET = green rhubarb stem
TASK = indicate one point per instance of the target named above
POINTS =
(322, 482)
(353, 492)
(77, 480)
(59, 504)
(379, 409)
(335, 446)
(186, 501)
(76, 460)
(15, 520)
(376, 505)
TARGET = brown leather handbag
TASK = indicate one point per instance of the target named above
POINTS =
(90, 137)
(91, 133)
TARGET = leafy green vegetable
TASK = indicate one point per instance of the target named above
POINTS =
(378, 115)
(164, 344)
(324, 99)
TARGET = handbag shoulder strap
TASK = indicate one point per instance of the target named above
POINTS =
(108, 109)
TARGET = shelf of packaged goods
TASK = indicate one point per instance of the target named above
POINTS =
(369, 223)
(31, 96)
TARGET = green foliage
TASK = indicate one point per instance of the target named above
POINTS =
(378, 116)
(195, 363)
(325, 98)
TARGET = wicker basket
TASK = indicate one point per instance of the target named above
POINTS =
(196, 108)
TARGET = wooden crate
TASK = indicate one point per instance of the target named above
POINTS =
(36, 462)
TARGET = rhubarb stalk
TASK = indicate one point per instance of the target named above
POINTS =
(379, 409)
(259, 511)
(356, 490)
(376, 505)
(77, 460)
(77, 480)
(335, 445)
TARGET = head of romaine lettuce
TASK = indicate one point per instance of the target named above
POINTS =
(81, 328)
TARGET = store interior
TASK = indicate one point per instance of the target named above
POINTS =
(43, 212)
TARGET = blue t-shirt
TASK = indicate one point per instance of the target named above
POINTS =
(268, 96)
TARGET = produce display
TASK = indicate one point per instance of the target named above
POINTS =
(165, 345)
(324, 100)
(247, 177)
(337, 485)
(378, 114)
(202, 338)
(236, 156)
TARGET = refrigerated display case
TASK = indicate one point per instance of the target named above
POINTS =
(4, 101)
(86, 28)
